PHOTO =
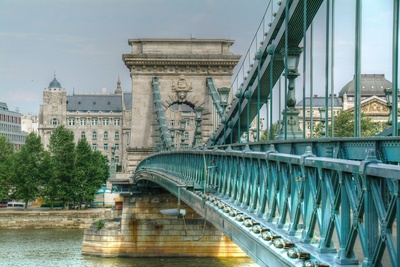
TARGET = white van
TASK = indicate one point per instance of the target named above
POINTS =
(15, 205)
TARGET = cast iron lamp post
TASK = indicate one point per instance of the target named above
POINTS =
(223, 95)
(182, 130)
(322, 117)
(197, 141)
(172, 131)
(292, 130)
(254, 134)
(389, 101)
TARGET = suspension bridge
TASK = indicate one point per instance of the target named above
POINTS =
(292, 200)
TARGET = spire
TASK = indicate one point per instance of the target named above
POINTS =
(118, 91)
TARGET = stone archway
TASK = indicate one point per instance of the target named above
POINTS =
(181, 67)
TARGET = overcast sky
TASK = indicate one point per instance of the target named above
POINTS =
(82, 41)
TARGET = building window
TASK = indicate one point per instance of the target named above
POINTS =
(94, 122)
(117, 135)
(83, 135)
(116, 146)
(187, 122)
(55, 122)
(105, 122)
(71, 121)
(105, 135)
(94, 146)
(186, 135)
(105, 147)
(94, 135)
(172, 122)
(116, 159)
(117, 122)
(83, 121)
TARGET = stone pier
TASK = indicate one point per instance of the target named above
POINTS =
(142, 231)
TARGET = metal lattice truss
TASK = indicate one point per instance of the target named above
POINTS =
(296, 208)
(165, 136)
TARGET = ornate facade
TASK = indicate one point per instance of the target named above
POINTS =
(373, 101)
(181, 67)
(103, 119)
(127, 121)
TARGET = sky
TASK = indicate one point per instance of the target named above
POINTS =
(82, 41)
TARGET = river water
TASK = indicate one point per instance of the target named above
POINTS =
(53, 248)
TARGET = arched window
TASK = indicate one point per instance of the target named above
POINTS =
(83, 135)
(55, 122)
(116, 135)
(186, 135)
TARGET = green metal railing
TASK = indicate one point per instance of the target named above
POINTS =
(336, 208)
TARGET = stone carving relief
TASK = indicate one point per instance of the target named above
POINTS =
(374, 108)
(181, 87)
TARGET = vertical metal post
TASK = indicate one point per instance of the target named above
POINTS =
(270, 99)
(286, 69)
(327, 63)
(398, 220)
(395, 66)
(311, 82)
(280, 104)
(304, 65)
(247, 96)
(259, 55)
(357, 72)
(332, 71)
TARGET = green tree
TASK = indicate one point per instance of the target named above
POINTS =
(60, 183)
(344, 125)
(275, 130)
(30, 169)
(6, 156)
(98, 174)
(91, 171)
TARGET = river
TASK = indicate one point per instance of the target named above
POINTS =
(60, 247)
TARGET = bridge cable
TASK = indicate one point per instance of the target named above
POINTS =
(202, 233)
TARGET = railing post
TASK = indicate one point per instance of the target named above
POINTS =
(370, 214)
(344, 257)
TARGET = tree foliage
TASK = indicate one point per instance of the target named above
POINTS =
(62, 150)
(30, 169)
(6, 156)
(344, 125)
(91, 171)
(67, 172)
(274, 131)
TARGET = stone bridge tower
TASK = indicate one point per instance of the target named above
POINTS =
(181, 67)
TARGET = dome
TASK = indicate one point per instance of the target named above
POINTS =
(55, 84)
(371, 84)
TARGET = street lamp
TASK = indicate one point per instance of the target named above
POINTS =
(389, 101)
(197, 141)
(182, 130)
(290, 113)
(322, 114)
(223, 95)
(172, 131)
(254, 134)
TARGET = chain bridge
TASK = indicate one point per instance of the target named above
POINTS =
(293, 200)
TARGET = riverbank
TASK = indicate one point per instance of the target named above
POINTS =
(52, 219)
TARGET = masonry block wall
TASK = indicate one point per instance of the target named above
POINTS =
(143, 231)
